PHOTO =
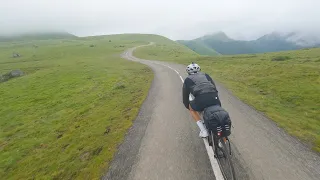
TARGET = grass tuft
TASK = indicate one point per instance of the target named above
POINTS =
(119, 85)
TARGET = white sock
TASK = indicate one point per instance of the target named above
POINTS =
(201, 126)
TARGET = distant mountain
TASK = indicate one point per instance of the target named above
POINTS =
(199, 47)
(221, 43)
(219, 36)
(36, 36)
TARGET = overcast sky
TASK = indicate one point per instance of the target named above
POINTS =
(175, 19)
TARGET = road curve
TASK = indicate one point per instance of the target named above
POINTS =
(163, 142)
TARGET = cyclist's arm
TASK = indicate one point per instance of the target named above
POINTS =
(185, 93)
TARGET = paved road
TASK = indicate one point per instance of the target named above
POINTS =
(164, 144)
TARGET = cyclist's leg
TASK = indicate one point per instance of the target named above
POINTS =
(193, 111)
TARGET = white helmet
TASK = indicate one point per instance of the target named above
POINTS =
(193, 68)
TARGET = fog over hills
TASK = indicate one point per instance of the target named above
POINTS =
(220, 43)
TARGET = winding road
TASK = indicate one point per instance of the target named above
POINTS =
(163, 142)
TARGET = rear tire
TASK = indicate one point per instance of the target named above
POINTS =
(210, 139)
(225, 162)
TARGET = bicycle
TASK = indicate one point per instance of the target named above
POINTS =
(220, 143)
(221, 151)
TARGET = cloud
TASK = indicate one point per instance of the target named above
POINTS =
(178, 19)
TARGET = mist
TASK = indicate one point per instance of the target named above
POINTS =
(179, 19)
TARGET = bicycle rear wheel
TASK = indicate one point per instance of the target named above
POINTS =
(224, 160)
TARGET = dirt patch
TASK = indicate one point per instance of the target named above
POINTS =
(10, 75)
(107, 131)
(97, 151)
(84, 156)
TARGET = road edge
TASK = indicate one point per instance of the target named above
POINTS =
(123, 161)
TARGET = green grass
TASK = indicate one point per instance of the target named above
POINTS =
(65, 118)
(285, 86)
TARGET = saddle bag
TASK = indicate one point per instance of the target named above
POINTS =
(217, 120)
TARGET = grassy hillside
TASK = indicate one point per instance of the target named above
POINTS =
(283, 85)
(36, 36)
(199, 48)
(166, 50)
(66, 116)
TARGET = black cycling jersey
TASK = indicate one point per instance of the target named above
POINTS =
(202, 87)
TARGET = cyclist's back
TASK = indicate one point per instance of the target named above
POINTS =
(202, 87)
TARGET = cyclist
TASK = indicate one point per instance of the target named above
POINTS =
(201, 87)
